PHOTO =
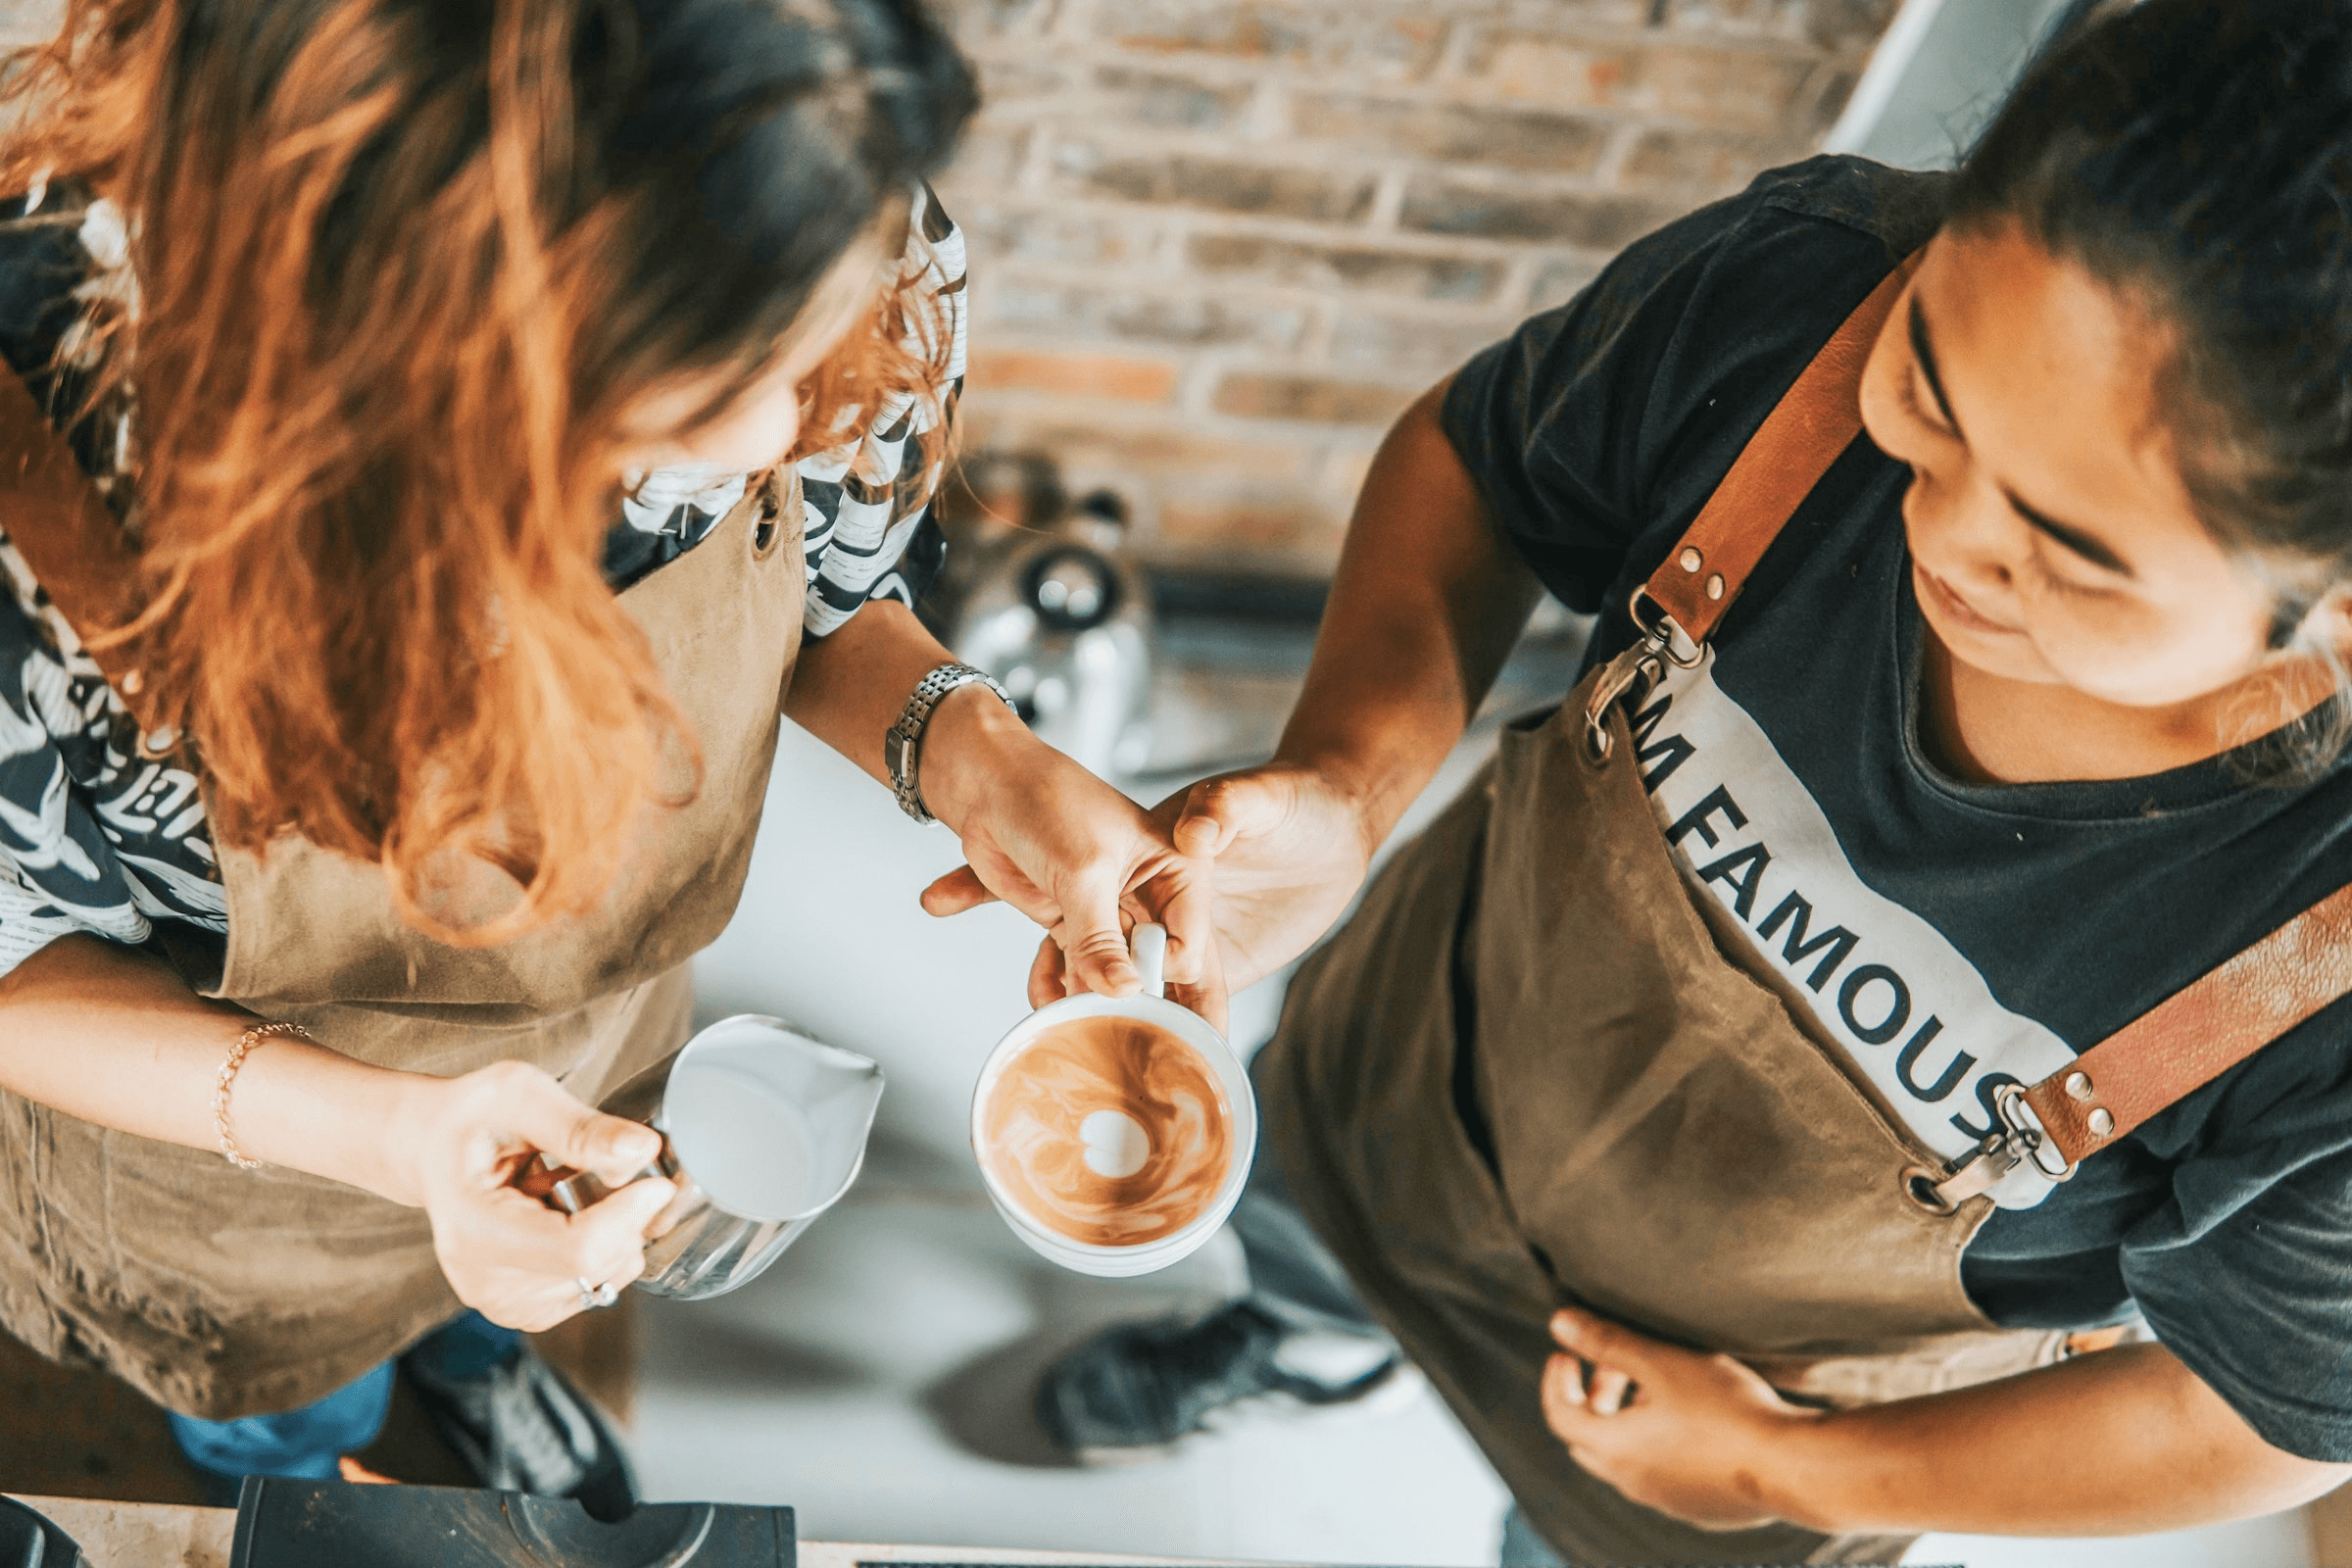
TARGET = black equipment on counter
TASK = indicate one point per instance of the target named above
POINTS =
(30, 1540)
(303, 1524)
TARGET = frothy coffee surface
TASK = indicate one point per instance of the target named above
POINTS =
(1108, 1131)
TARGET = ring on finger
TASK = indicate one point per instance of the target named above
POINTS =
(594, 1296)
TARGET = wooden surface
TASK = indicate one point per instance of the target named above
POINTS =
(143, 1535)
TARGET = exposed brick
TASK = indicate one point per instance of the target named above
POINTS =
(1024, 86)
(1324, 266)
(1406, 346)
(1055, 235)
(1823, 100)
(1149, 451)
(1696, 161)
(1309, 399)
(1153, 98)
(1557, 282)
(1186, 318)
(1362, 38)
(1091, 376)
(1345, 470)
(1224, 184)
(1177, 285)
(1271, 526)
(1438, 206)
(1833, 23)
(1561, 144)
(989, 159)
(1755, 88)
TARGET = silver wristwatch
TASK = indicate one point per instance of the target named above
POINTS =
(902, 747)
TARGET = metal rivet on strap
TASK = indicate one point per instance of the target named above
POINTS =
(2078, 1084)
(2102, 1121)
(1715, 586)
(133, 682)
(1691, 560)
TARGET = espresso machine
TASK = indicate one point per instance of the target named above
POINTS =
(1042, 594)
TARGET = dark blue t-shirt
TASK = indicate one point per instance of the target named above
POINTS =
(1943, 937)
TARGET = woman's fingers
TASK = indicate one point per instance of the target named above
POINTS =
(1603, 1343)
(609, 1236)
(1218, 810)
(1562, 1392)
(1095, 940)
(546, 1116)
(959, 890)
(1046, 984)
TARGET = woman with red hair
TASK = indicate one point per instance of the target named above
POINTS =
(454, 433)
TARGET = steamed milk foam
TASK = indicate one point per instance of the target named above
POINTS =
(1108, 1131)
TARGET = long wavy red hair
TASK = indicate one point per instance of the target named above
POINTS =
(402, 269)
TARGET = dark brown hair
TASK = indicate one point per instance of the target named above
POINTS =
(2198, 158)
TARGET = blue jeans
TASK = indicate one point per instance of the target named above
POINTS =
(307, 1443)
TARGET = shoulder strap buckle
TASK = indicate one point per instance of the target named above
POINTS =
(2019, 1138)
(1635, 671)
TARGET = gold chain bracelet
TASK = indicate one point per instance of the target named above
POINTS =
(228, 1072)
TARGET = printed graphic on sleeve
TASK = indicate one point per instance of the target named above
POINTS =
(1906, 1007)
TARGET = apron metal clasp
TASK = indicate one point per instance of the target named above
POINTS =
(1637, 669)
(2020, 1137)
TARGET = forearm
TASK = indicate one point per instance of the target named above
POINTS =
(849, 688)
(112, 1036)
(2122, 1443)
(1425, 606)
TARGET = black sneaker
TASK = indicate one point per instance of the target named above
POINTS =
(1135, 1391)
(522, 1427)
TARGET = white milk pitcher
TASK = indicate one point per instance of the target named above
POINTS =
(762, 1130)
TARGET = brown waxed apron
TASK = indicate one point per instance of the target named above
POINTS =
(1674, 1148)
(222, 1293)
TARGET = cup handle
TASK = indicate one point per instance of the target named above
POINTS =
(1148, 946)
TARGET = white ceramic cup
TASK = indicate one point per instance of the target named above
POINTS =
(1149, 947)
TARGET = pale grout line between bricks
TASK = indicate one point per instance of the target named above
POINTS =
(1330, 236)
(1387, 201)
(1314, 344)
(1608, 171)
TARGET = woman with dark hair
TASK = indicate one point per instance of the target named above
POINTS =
(442, 439)
(1916, 955)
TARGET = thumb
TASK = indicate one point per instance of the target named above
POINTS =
(1094, 940)
(569, 1133)
(959, 890)
(1218, 810)
(1601, 1341)
(633, 1209)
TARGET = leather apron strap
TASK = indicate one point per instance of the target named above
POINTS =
(2151, 1063)
(2199, 1032)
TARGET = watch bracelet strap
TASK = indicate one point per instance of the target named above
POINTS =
(906, 758)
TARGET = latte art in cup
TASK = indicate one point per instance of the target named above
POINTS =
(1110, 1131)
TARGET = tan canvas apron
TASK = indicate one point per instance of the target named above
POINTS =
(222, 1293)
(1674, 1148)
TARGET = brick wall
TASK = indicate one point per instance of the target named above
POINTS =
(1217, 245)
